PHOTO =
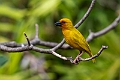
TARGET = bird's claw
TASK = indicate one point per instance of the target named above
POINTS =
(75, 61)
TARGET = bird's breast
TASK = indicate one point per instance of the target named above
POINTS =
(69, 38)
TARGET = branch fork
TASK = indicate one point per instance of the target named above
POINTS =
(30, 45)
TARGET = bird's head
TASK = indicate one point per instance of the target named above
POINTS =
(64, 23)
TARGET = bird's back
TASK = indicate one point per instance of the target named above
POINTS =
(75, 39)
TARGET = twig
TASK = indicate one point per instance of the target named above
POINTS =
(14, 47)
(79, 58)
(94, 56)
(93, 35)
(59, 45)
(86, 14)
(59, 56)
(35, 41)
(27, 39)
(87, 59)
(79, 23)
(37, 33)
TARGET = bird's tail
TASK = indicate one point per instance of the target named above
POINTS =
(93, 60)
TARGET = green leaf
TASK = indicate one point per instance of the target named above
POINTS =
(3, 60)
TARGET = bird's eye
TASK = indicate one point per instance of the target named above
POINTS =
(63, 22)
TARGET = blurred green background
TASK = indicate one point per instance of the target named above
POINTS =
(18, 16)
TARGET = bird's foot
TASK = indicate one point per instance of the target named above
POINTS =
(77, 59)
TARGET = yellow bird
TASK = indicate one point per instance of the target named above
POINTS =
(73, 37)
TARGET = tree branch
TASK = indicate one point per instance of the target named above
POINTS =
(80, 58)
(93, 35)
(82, 20)
(94, 56)
(11, 46)
(86, 14)
(17, 49)
(37, 32)
(59, 45)
(30, 45)
(37, 41)
(27, 39)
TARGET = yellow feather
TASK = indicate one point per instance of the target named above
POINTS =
(74, 38)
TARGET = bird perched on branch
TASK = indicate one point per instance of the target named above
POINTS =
(73, 37)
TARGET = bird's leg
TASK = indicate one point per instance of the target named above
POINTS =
(77, 59)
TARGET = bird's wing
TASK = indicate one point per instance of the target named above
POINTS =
(80, 41)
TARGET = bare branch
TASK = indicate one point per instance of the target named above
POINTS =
(27, 39)
(37, 33)
(17, 49)
(79, 23)
(53, 44)
(86, 14)
(59, 45)
(11, 44)
(30, 45)
(94, 56)
(41, 50)
(78, 59)
(93, 35)
(58, 55)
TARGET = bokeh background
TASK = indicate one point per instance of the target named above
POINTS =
(18, 16)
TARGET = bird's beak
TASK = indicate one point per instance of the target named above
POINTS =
(58, 24)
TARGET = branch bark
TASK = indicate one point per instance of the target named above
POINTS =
(37, 41)
(79, 59)
(93, 35)
(30, 45)
(86, 14)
